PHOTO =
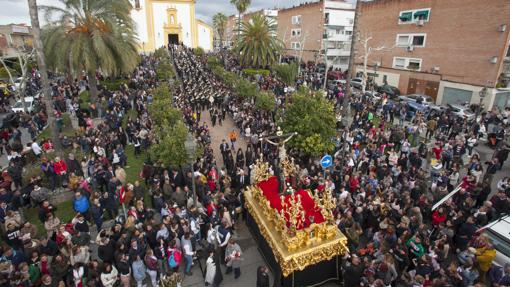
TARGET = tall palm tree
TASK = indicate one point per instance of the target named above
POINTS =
(41, 63)
(220, 24)
(241, 6)
(93, 35)
(258, 45)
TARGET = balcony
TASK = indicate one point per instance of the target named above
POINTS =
(338, 52)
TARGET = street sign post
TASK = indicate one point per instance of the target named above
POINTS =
(326, 161)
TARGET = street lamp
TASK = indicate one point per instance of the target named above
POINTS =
(482, 94)
(191, 147)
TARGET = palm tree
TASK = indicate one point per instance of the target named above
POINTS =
(241, 6)
(220, 24)
(93, 35)
(41, 63)
(258, 45)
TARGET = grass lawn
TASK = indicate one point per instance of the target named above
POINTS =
(114, 85)
(64, 211)
(84, 99)
(67, 128)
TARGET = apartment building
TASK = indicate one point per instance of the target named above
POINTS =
(15, 38)
(312, 32)
(232, 23)
(301, 28)
(450, 50)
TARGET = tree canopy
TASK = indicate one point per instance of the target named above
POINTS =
(313, 118)
(258, 45)
(287, 73)
(90, 35)
(220, 25)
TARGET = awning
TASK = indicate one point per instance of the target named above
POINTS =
(424, 14)
(407, 16)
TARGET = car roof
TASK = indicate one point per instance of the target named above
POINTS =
(502, 227)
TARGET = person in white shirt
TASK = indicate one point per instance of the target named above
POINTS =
(36, 149)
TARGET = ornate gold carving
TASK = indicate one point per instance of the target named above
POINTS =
(295, 250)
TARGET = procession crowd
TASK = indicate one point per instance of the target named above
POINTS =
(386, 177)
(391, 166)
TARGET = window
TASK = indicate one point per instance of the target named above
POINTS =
(296, 32)
(399, 63)
(402, 40)
(414, 64)
(347, 32)
(296, 20)
(413, 16)
(416, 40)
(295, 45)
(407, 63)
(137, 4)
(326, 18)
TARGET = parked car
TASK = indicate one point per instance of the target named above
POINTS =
(417, 98)
(414, 107)
(18, 105)
(497, 231)
(461, 111)
(373, 96)
(391, 91)
(357, 83)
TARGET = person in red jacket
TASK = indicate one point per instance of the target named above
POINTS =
(60, 168)
(438, 216)
(353, 183)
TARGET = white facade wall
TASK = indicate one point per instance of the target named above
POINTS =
(204, 37)
(392, 79)
(140, 19)
(161, 18)
(488, 101)
(339, 30)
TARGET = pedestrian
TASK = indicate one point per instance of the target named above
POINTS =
(233, 258)
(262, 276)
(139, 271)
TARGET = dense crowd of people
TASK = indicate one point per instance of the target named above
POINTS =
(391, 165)
(389, 169)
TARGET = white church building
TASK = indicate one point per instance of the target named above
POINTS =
(160, 22)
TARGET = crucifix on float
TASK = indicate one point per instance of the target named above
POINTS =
(279, 141)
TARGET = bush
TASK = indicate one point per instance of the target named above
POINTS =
(164, 70)
(199, 51)
(114, 85)
(246, 89)
(160, 53)
(287, 73)
(265, 101)
(252, 72)
(213, 62)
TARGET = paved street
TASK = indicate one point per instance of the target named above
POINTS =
(252, 256)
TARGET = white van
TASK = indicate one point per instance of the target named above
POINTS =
(499, 233)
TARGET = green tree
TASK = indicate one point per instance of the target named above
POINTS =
(220, 25)
(161, 110)
(90, 35)
(164, 70)
(246, 89)
(160, 53)
(241, 6)
(313, 118)
(265, 101)
(258, 45)
(170, 148)
(287, 73)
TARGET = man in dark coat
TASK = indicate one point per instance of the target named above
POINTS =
(353, 271)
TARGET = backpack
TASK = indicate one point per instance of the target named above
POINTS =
(174, 259)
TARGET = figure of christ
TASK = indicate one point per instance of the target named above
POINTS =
(279, 141)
